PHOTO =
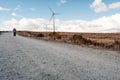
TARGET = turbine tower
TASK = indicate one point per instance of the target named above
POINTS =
(46, 27)
(53, 18)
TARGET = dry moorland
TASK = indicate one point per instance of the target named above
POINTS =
(108, 41)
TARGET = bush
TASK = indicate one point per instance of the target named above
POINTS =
(40, 35)
(50, 34)
(117, 44)
(55, 35)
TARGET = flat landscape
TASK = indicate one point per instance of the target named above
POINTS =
(23, 58)
(108, 41)
(59, 39)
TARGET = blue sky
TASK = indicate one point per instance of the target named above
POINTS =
(27, 11)
(69, 9)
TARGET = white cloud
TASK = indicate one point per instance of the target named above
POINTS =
(32, 9)
(99, 6)
(109, 23)
(14, 14)
(25, 24)
(4, 9)
(114, 5)
(18, 8)
(104, 24)
(62, 2)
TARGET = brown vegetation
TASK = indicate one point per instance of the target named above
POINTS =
(104, 42)
(109, 41)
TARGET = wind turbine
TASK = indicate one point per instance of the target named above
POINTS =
(53, 18)
(45, 27)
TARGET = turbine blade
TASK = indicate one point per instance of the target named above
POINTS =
(51, 18)
(56, 13)
(51, 10)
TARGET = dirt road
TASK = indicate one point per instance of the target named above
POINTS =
(29, 59)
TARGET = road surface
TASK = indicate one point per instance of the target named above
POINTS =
(30, 59)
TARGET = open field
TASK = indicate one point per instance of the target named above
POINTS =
(109, 41)
(23, 58)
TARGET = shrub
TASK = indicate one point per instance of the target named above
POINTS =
(50, 34)
(117, 44)
(55, 35)
(78, 39)
(40, 35)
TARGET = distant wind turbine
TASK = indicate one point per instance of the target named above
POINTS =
(53, 18)
(46, 27)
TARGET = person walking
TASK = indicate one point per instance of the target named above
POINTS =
(14, 32)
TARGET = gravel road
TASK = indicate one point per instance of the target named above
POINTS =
(30, 59)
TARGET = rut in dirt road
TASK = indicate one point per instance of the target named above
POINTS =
(29, 59)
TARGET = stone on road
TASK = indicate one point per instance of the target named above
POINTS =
(30, 59)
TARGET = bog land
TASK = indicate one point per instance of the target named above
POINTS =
(108, 41)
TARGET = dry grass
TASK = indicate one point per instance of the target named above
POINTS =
(109, 41)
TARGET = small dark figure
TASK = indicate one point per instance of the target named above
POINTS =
(14, 32)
